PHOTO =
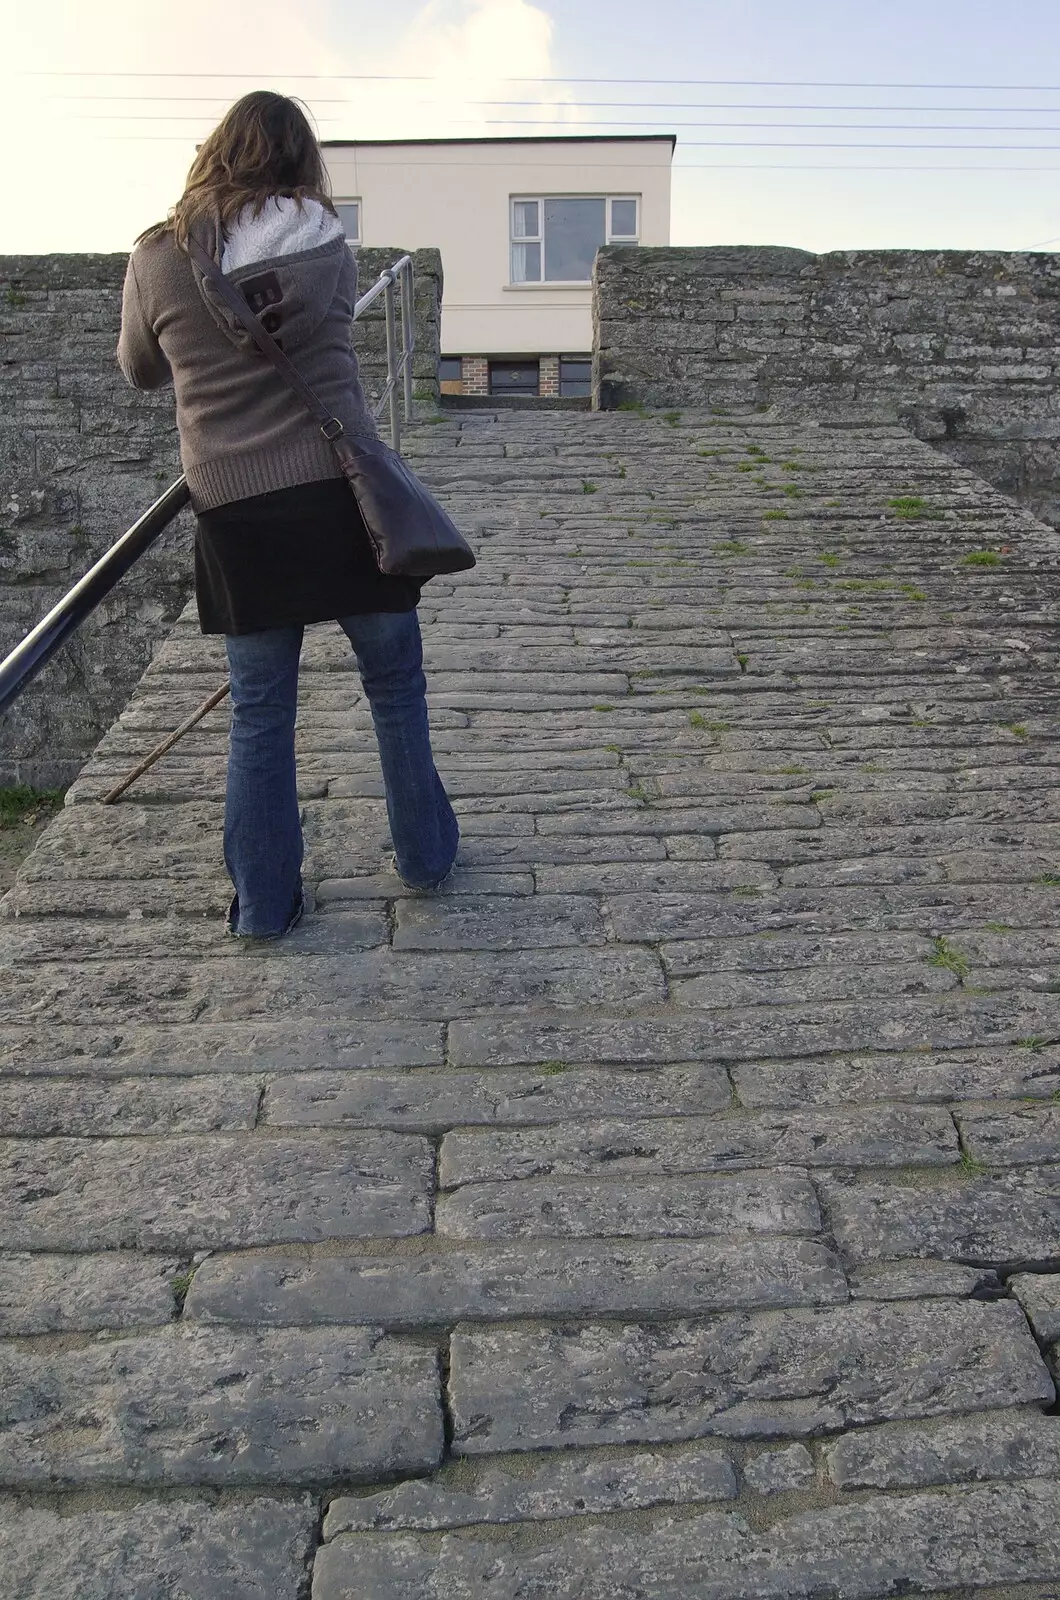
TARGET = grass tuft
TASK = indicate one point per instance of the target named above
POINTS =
(23, 807)
(981, 558)
(945, 955)
(910, 507)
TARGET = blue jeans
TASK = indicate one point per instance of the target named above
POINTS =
(263, 834)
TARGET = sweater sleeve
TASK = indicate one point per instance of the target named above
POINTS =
(140, 355)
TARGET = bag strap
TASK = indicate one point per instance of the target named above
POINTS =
(330, 426)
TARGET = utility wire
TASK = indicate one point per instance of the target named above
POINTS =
(678, 166)
(426, 77)
(687, 144)
(580, 105)
(550, 122)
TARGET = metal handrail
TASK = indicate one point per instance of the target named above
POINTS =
(18, 669)
(25, 661)
(396, 367)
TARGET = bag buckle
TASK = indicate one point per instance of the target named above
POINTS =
(332, 429)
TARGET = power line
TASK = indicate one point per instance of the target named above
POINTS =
(688, 144)
(425, 77)
(676, 167)
(632, 105)
(547, 122)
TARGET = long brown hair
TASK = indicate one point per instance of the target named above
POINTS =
(263, 146)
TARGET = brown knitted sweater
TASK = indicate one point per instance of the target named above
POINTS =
(243, 432)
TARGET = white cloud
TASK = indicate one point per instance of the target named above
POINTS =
(470, 50)
(109, 164)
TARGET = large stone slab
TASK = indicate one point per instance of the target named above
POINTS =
(81, 1106)
(760, 1375)
(497, 1282)
(834, 909)
(81, 1293)
(383, 885)
(1003, 1219)
(207, 1406)
(602, 878)
(795, 951)
(372, 983)
(1010, 1135)
(494, 923)
(560, 1038)
(883, 1136)
(780, 1471)
(957, 1020)
(1039, 1295)
(919, 1280)
(916, 1455)
(535, 1489)
(433, 1102)
(254, 1549)
(717, 818)
(234, 1046)
(211, 1192)
(1016, 1073)
(996, 1534)
(637, 1208)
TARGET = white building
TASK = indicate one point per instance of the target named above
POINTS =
(518, 223)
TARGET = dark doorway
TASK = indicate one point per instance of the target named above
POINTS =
(515, 378)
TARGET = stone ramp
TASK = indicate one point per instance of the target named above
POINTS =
(672, 1208)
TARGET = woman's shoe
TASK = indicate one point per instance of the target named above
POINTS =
(232, 920)
(420, 888)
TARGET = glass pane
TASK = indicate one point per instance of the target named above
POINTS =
(575, 371)
(525, 225)
(514, 377)
(350, 216)
(450, 369)
(623, 219)
(574, 231)
(526, 263)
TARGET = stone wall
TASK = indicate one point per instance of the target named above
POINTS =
(964, 348)
(81, 456)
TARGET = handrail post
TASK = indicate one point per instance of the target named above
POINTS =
(408, 332)
(392, 364)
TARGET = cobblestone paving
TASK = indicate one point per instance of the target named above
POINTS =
(671, 1210)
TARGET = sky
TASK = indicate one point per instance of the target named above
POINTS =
(827, 125)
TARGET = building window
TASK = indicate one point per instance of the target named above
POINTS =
(555, 239)
(575, 375)
(349, 213)
(515, 377)
(451, 374)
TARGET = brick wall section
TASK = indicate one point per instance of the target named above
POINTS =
(81, 456)
(964, 348)
(549, 376)
(476, 375)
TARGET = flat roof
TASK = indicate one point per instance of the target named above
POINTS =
(537, 138)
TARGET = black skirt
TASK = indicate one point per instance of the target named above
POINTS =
(290, 556)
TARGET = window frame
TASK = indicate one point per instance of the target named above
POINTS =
(352, 200)
(540, 199)
(581, 386)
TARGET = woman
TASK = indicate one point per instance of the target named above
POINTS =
(279, 540)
